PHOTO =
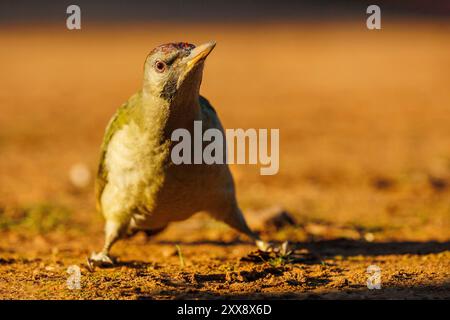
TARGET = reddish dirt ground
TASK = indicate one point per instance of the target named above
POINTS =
(364, 162)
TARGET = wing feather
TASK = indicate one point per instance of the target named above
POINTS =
(120, 118)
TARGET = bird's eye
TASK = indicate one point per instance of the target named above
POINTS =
(160, 66)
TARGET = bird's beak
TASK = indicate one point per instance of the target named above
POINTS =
(198, 54)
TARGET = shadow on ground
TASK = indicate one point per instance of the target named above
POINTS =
(344, 247)
(439, 291)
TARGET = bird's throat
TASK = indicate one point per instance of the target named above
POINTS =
(161, 117)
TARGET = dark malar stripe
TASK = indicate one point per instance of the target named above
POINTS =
(169, 89)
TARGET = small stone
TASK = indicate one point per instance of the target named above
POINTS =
(49, 268)
(80, 175)
(169, 252)
(369, 237)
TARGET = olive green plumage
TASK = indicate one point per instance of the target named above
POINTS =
(120, 118)
(129, 112)
(137, 186)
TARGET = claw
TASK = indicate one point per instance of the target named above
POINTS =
(99, 260)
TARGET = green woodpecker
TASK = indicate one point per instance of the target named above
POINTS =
(138, 187)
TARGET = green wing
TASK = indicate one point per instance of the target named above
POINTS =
(120, 118)
(209, 114)
(206, 106)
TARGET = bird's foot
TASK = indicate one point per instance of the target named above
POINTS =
(101, 260)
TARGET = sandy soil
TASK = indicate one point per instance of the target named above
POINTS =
(365, 162)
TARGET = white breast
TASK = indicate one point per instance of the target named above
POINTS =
(127, 161)
(126, 156)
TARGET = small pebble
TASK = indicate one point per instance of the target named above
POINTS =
(79, 175)
(369, 237)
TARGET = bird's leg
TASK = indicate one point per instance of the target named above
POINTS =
(235, 219)
(113, 232)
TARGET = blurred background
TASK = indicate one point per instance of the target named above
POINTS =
(363, 114)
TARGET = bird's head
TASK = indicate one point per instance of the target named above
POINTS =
(174, 71)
